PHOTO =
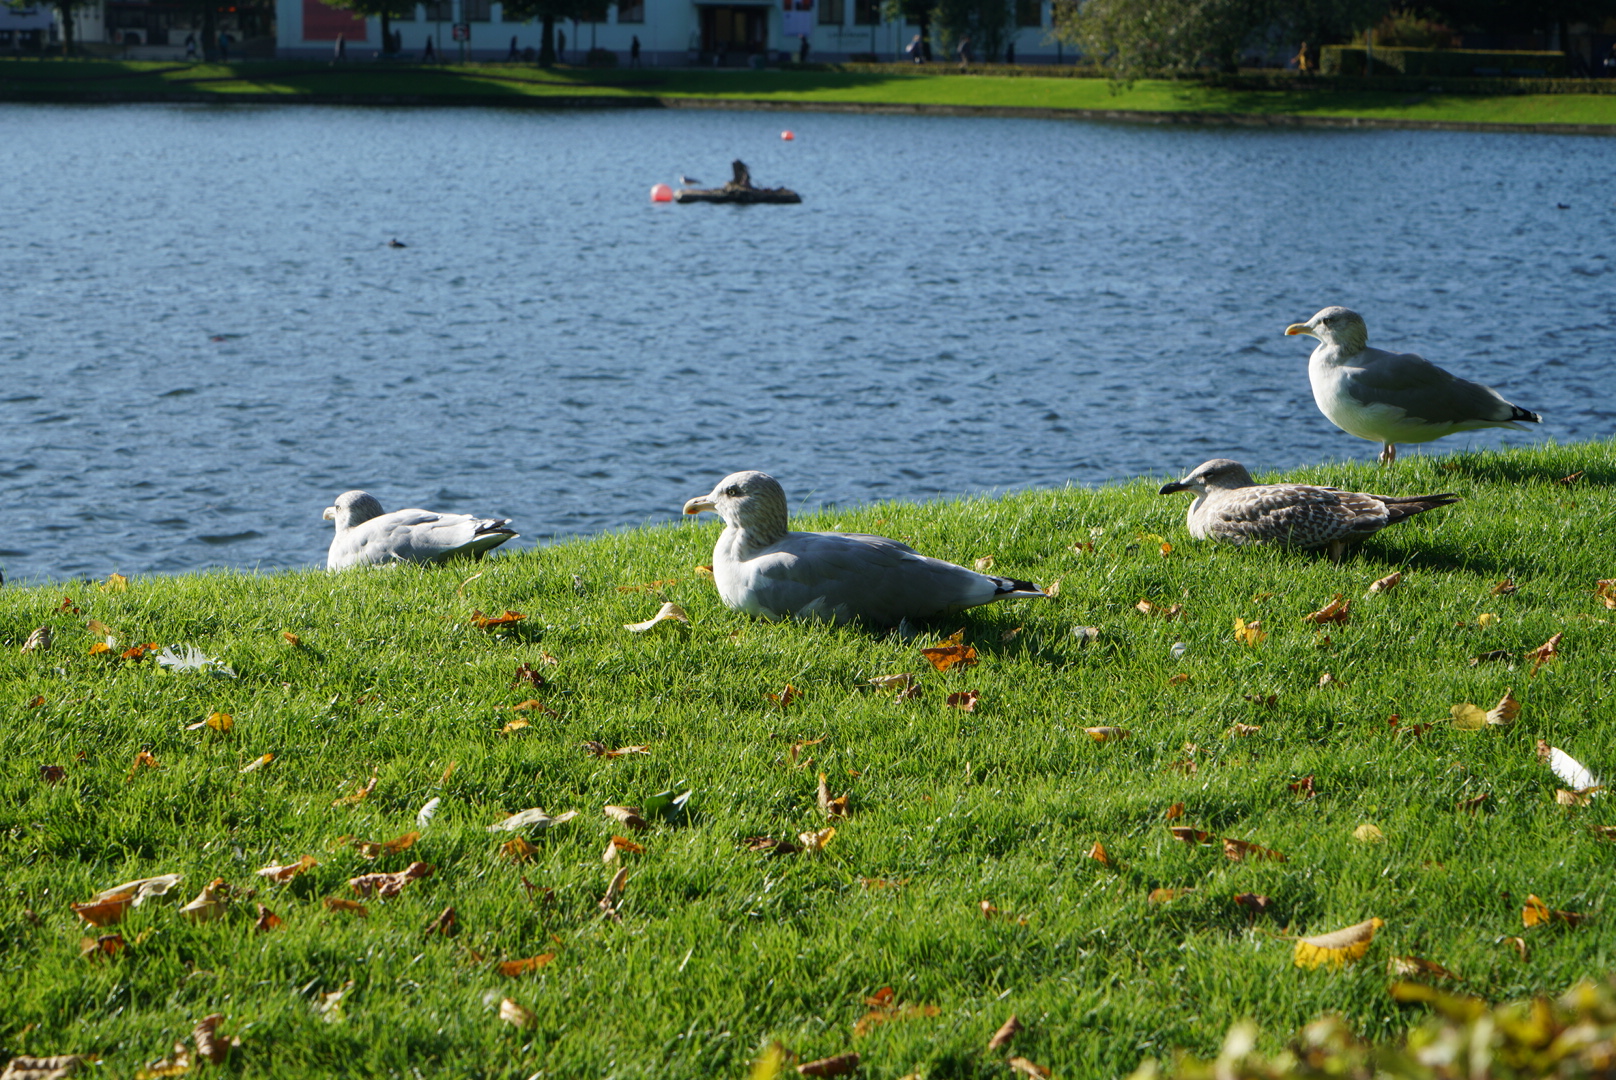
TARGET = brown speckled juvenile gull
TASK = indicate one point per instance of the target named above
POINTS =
(368, 537)
(1393, 397)
(1232, 508)
(764, 569)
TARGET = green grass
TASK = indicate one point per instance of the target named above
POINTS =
(895, 85)
(721, 949)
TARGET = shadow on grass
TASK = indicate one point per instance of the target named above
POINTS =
(1496, 468)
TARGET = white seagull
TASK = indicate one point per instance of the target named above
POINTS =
(764, 569)
(1232, 508)
(1393, 397)
(368, 537)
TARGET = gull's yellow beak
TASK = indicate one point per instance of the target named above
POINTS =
(700, 503)
(330, 513)
(1300, 328)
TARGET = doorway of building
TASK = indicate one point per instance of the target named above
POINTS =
(731, 34)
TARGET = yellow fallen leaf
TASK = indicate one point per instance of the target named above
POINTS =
(1468, 717)
(667, 612)
(1106, 734)
(1338, 948)
(258, 763)
(1537, 913)
(1504, 713)
(984, 564)
(816, 841)
(1408, 967)
(1368, 834)
(1387, 583)
(285, 873)
(115, 583)
(512, 1013)
(209, 903)
(100, 647)
(1486, 618)
(1163, 896)
(513, 725)
(1098, 854)
(1249, 634)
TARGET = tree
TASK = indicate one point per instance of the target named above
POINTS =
(986, 22)
(549, 12)
(915, 12)
(65, 12)
(386, 10)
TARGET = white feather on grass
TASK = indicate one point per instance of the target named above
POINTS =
(423, 816)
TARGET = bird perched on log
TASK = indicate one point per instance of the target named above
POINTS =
(1393, 397)
(1232, 508)
(764, 569)
(366, 536)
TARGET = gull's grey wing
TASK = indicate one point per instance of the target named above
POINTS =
(1423, 390)
(1294, 515)
(416, 536)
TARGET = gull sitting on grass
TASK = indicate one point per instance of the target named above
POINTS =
(368, 537)
(1232, 508)
(1393, 397)
(764, 569)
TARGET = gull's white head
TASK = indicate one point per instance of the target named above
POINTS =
(353, 508)
(1219, 474)
(1338, 326)
(751, 501)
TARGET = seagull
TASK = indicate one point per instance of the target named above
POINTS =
(763, 569)
(1232, 508)
(368, 537)
(688, 181)
(1393, 397)
(396, 243)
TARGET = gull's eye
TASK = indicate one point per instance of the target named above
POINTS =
(733, 491)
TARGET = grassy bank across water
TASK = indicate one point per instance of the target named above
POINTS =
(875, 87)
(963, 873)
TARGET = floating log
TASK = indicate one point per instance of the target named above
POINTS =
(738, 190)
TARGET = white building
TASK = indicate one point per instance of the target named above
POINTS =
(670, 32)
(26, 29)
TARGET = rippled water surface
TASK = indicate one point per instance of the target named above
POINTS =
(206, 337)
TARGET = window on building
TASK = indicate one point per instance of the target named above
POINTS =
(866, 12)
(406, 14)
(439, 10)
(477, 10)
(1029, 12)
(832, 12)
(631, 11)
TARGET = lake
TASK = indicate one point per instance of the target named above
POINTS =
(207, 338)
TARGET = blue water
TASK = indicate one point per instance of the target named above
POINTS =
(206, 337)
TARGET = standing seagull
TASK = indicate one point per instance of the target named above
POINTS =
(1232, 508)
(1393, 397)
(368, 537)
(764, 569)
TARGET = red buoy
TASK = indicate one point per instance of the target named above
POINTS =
(661, 193)
(787, 136)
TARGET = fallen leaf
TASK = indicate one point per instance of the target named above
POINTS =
(771, 845)
(1192, 837)
(1606, 591)
(620, 843)
(1106, 734)
(984, 564)
(282, 874)
(1408, 967)
(370, 849)
(1486, 618)
(1504, 713)
(1544, 653)
(1007, 1031)
(1163, 896)
(357, 796)
(598, 749)
(649, 586)
(388, 885)
(1518, 944)
(1249, 634)
(136, 653)
(892, 682)
(1368, 834)
(816, 841)
(1028, 1068)
(143, 760)
(950, 651)
(1567, 481)
(513, 968)
(52, 774)
(831, 808)
(1336, 611)
(495, 622)
(267, 920)
(1265, 700)
(965, 701)
(1082, 547)
(883, 883)
(442, 924)
(329, 1006)
(1240, 850)
(1241, 730)
(219, 721)
(291, 638)
(1052, 590)
(628, 815)
(1338, 948)
(36, 702)
(1537, 913)
(1329, 680)
(1471, 805)
(840, 1065)
(1179, 679)
(115, 583)
(784, 697)
(1010, 634)
(1086, 634)
(1468, 717)
(39, 640)
(1503, 588)
(614, 890)
(1604, 832)
(258, 763)
(208, 1045)
(703, 569)
(1574, 798)
(668, 612)
(1252, 902)
(1175, 811)
(1098, 854)
(517, 1015)
(1304, 786)
(526, 674)
(513, 725)
(209, 904)
(1145, 607)
(105, 911)
(518, 850)
(1388, 583)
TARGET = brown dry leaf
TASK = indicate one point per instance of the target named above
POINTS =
(534, 705)
(103, 945)
(1574, 798)
(1082, 547)
(336, 903)
(1567, 481)
(614, 891)
(525, 673)
(1471, 805)
(258, 763)
(137, 653)
(840, 1065)
(784, 697)
(965, 701)
(100, 647)
(892, 682)
(1164, 896)
(1179, 680)
(178, 1063)
(358, 796)
(1098, 854)
(1387, 583)
(1106, 734)
(1145, 607)
(1544, 653)
(36, 702)
(291, 638)
(1503, 588)
(52, 774)
(1007, 1031)
(1338, 948)
(1409, 967)
(1249, 634)
(219, 721)
(388, 885)
(514, 725)
(282, 874)
(39, 640)
(143, 760)
(620, 843)
(628, 815)
(1336, 611)
(950, 651)
(513, 968)
(209, 904)
(1329, 680)
(831, 808)
(518, 850)
(517, 1015)
(1604, 832)
(495, 622)
(798, 747)
(1504, 713)
(883, 883)
(1052, 590)
(703, 569)
(1023, 1067)
(1606, 591)
(984, 564)
(1175, 811)
(1010, 634)
(1192, 837)
(1266, 700)
(1241, 730)
(909, 693)
(771, 845)
(1368, 834)
(1537, 913)
(267, 920)
(208, 1044)
(668, 612)
(649, 586)
(1518, 944)
(598, 749)
(1255, 903)
(442, 924)
(816, 840)
(1239, 851)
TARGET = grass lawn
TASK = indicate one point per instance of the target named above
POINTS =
(895, 86)
(715, 950)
